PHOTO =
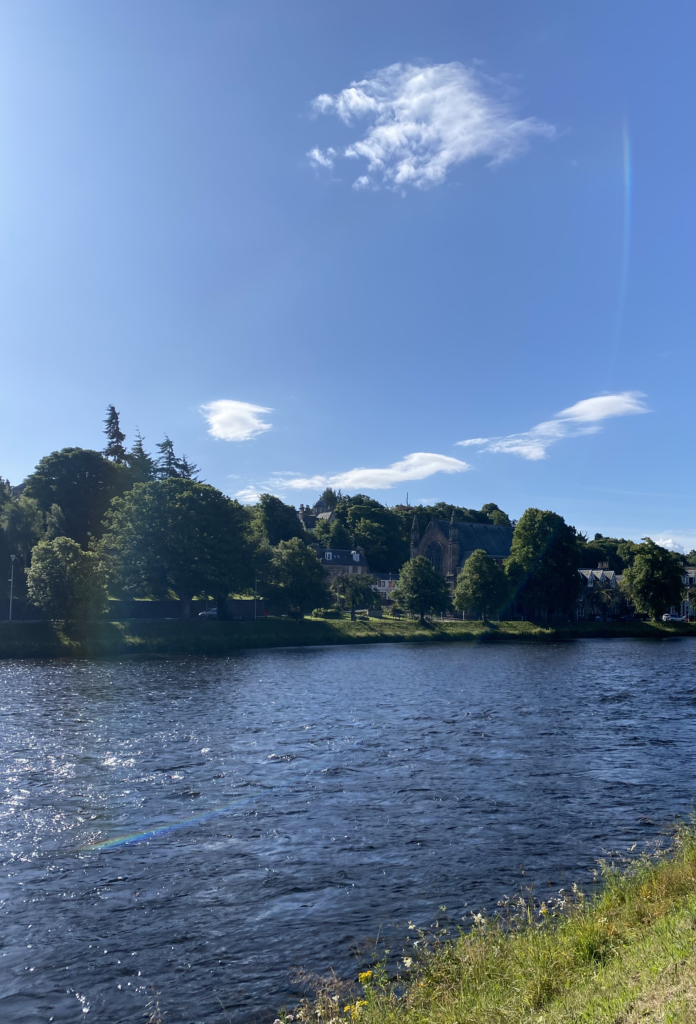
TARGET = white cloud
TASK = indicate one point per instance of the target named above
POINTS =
(319, 159)
(533, 444)
(229, 420)
(416, 466)
(248, 495)
(425, 120)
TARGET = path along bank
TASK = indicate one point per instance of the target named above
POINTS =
(215, 639)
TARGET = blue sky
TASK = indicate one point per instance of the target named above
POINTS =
(207, 222)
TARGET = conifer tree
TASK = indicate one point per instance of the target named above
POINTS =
(166, 464)
(140, 462)
(170, 467)
(115, 449)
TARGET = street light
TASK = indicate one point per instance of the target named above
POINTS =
(11, 582)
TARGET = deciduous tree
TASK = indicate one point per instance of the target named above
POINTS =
(178, 535)
(542, 568)
(481, 586)
(296, 579)
(274, 521)
(65, 581)
(82, 483)
(654, 581)
(355, 591)
(421, 588)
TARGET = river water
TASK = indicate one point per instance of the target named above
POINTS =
(197, 828)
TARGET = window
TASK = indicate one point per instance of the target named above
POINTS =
(433, 553)
(356, 556)
(328, 556)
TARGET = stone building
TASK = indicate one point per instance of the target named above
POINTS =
(448, 545)
(337, 561)
(309, 516)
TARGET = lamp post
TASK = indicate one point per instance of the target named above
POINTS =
(11, 582)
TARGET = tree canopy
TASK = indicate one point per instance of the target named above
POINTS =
(274, 521)
(421, 588)
(481, 586)
(355, 591)
(82, 483)
(178, 535)
(295, 579)
(654, 581)
(542, 568)
(65, 581)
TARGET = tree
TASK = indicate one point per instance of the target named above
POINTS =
(23, 523)
(330, 497)
(355, 590)
(296, 578)
(65, 581)
(542, 568)
(496, 515)
(169, 466)
(82, 483)
(140, 463)
(115, 449)
(274, 521)
(379, 530)
(481, 585)
(178, 535)
(421, 588)
(654, 581)
(332, 535)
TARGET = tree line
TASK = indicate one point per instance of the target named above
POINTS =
(86, 525)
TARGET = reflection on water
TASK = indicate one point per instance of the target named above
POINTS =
(197, 828)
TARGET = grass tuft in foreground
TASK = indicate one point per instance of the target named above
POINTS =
(624, 956)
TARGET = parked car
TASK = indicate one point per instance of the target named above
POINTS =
(210, 613)
(673, 618)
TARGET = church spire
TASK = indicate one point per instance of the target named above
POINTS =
(415, 536)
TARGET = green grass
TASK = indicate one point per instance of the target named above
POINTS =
(625, 956)
(205, 637)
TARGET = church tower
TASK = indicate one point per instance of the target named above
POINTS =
(415, 536)
(453, 548)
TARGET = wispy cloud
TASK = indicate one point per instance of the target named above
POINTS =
(425, 120)
(582, 418)
(248, 495)
(416, 466)
(229, 420)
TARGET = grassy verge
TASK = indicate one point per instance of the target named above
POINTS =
(628, 955)
(204, 637)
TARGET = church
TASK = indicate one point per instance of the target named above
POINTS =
(448, 544)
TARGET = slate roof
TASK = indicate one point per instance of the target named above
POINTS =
(339, 556)
(495, 540)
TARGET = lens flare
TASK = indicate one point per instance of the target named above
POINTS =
(163, 830)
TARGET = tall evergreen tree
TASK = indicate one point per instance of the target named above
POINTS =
(170, 467)
(115, 449)
(140, 462)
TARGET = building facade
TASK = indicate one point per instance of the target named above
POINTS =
(337, 561)
(309, 516)
(447, 545)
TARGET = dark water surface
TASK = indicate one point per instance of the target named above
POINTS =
(353, 789)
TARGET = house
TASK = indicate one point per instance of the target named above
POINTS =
(688, 605)
(448, 545)
(310, 516)
(337, 561)
(386, 584)
(601, 594)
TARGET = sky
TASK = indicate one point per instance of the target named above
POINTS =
(436, 249)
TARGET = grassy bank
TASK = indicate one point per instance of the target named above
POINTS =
(204, 637)
(628, 955)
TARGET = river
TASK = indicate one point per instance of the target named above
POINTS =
(197, 828)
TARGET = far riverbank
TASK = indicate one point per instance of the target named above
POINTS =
(209, 638)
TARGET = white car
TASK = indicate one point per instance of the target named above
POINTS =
(673, 618)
